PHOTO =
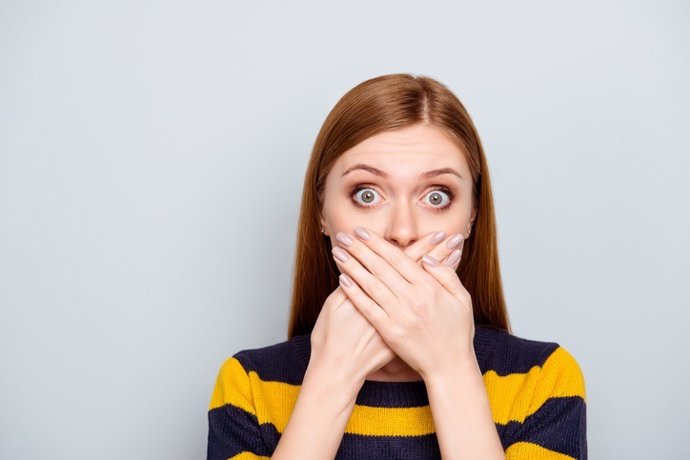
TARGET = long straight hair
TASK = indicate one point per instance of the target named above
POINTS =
(376, 105)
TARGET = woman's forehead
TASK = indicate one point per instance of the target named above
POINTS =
(409, 150)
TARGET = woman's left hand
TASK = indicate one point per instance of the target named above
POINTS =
(423, 313)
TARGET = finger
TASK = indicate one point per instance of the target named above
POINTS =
(394, 256)
(369, 283)
(444, 249)
(446, 276)
(453, 259)
(374, 263)
(377, 316)
(423, 245)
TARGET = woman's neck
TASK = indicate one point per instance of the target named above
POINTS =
(396, 370)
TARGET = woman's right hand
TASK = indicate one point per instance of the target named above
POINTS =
(344, 344)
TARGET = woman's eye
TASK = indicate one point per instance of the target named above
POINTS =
(436, 198)
(366, 195)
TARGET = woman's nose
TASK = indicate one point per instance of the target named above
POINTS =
(401, 228)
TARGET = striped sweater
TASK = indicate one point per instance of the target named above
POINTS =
(536, 391)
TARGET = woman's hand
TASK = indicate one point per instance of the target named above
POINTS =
(344, 341)
(423, 313)
(344, 345)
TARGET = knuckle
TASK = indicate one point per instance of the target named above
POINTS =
(427, 291)
(378, 267)
(369, 287)
(330, 300)
(417, 299)
(397, 334)
(396, 258)
(378, 290)
(418, 304)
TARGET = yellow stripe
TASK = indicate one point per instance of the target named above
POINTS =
(516, 396)
(275, 401)
(391, 421)
(248, 456)
(523, 450)
(232, 387)
(365, 420)
(512, 397)
(560, 376)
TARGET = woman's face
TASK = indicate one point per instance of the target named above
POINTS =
(380, 184)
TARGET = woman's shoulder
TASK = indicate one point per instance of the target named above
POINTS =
(284, 361)
(537, 395)
(505, 353)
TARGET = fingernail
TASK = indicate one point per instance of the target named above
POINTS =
(429, 260)
(344, 239)
(454, 241)
(345, 280)
(340, 254)
(361, 233)
(438, 237)
(454, 257)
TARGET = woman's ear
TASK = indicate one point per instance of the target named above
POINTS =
(323, 225)
(471, 222)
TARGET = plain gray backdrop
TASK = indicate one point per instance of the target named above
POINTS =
(151, 164)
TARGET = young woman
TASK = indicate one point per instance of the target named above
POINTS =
(399, 344)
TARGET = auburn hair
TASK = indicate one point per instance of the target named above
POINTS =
(383, 103)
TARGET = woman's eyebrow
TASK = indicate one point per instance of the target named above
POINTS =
(424, 175)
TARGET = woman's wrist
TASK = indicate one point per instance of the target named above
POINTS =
(332, 384)
(463, 362)
(319, 418)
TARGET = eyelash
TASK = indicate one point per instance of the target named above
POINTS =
(440, 188)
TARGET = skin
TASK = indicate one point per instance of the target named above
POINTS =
(401, 207)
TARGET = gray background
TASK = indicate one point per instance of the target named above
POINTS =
(151, 163)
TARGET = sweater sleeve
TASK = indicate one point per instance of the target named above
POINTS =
(555, 428)
(233, 424)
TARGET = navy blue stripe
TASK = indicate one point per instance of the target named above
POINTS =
(403, 447)
(231, 431)
(364, 446)
(496, 350)
(393, 394)
(559, 424)
(511, 354)
(278, 362)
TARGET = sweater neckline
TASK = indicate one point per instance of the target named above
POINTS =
(395, 394)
